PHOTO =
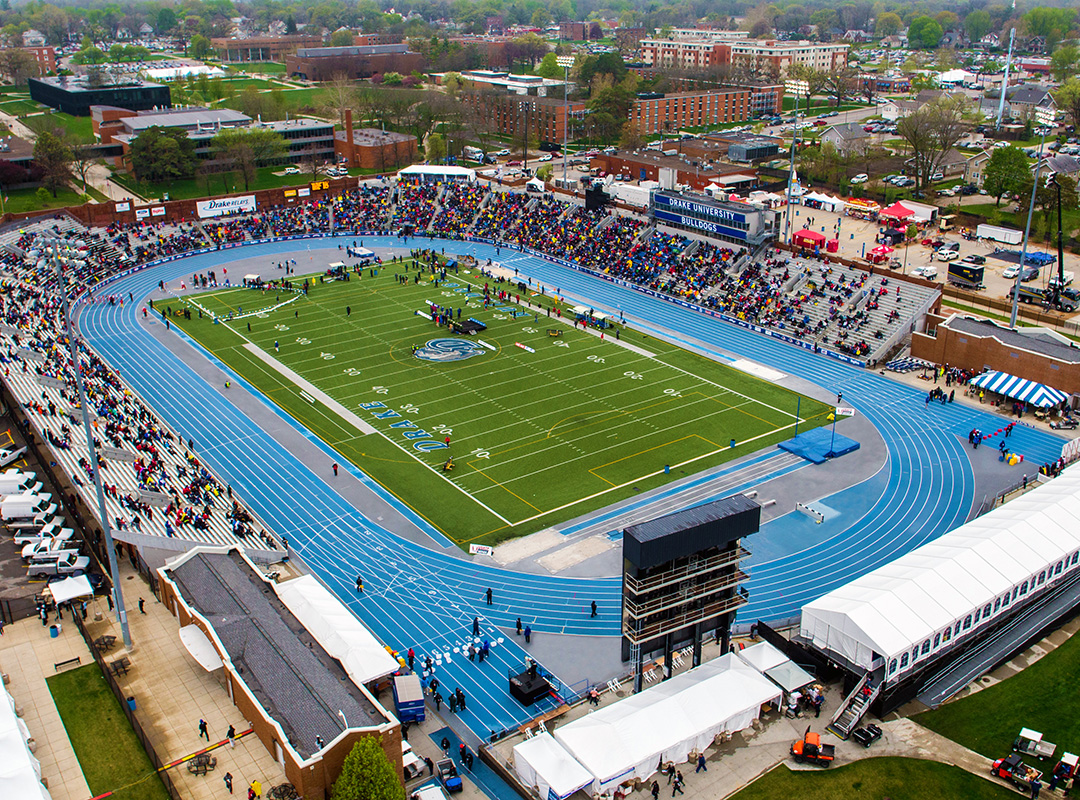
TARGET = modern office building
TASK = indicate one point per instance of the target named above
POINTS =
(75, 94)
(261, 48)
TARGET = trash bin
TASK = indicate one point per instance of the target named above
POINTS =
(667, 469)
(131, 703)
(53, 631)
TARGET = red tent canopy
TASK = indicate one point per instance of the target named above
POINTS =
(897, 211)
(805, 238)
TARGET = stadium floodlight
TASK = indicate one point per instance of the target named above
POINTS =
(797, 88)
(565, 62)
(1045, 118)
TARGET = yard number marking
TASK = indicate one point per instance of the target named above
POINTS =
(673, 392)
(302, 340)
(379, 389)
(634, 376)
(596, 359)
(352, 372)
(481, 453)
(281, 327)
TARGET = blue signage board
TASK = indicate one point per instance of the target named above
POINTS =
(699, 224)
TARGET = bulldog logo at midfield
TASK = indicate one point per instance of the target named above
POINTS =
(448, 350)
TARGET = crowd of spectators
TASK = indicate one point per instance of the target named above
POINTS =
(416, 205)
(459, 204)
(144, 241)
(498, 217)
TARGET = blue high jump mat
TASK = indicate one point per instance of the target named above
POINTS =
(815, 445)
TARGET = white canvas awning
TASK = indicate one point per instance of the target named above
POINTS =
(938, 594)
(20, 772)
(543, 764)
(776, 666)
(200, 648)
(340, 633)
(627, 740)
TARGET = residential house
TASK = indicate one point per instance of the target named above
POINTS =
(848, 138)
(1036, 45)
(952, 39)
(33, 38)
(145, 30)
(895, 41)
(975, 167)
(1024, 98)
(990, 40)
(951, 164)
(898, 109)
(1060, 165)
(277, 28)
(856, 36)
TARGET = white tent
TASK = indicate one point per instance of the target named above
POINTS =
(627, 740)
(828, 203)
(340, 633)
(922, 211)
(200, 648)
(542, 763)
(933, 597)
(775, 666)
(20, 772)
(956, 76)
(70, 588)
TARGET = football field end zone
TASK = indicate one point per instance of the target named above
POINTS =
(306, 386)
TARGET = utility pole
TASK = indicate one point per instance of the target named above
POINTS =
(64, 251)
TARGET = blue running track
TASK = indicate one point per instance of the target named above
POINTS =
(426, 598)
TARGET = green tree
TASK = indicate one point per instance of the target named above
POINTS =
(1063, 63)
(162, 154)
(888, 24)
(1067, 98)
(53, 155)
(435, 148)
(1052, 23)
(245, 149)
(1006, 171)
(367, 774)
(948, 20)
(42, 197)
(924, 33)
(341, 38)
(978, 24)
(166, 20)
(549, 67)
(199, 46)
(392, 79)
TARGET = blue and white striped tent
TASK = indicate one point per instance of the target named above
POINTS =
(1037, 394)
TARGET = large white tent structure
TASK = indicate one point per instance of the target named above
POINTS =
(20, 771)
(337, 629)
(935, 597)
(627, 740)
(542, 763)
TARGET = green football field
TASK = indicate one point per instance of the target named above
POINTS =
(543, 421)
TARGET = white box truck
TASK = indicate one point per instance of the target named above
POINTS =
(12, 481)
(999, 234)
(66, 565)
(21, 509)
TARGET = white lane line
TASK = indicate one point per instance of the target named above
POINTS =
(306, 386)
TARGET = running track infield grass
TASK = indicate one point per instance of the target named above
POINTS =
(108, 751)
(545, 421)
(875, 779)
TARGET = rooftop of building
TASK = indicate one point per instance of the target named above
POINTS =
(352, 50)
(81, 83)
(297, 682)
(1035, 340)
(373, 137)
(674, 162)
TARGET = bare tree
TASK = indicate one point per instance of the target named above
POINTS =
(931, 132)
(340, 94)
(842, 84)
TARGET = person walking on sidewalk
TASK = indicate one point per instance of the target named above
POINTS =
(701, 764)
(203, 730)
(228, 781)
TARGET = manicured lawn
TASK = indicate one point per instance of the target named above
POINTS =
(541, 422)
(214, 184)
(261, 67)
(818, 105)
(292, 100)
(81, 127)
(111, 757)
(20, 108)
(21, 200)
(1041, 697)
(875, 779)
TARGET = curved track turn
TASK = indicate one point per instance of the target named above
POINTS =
(427, 599)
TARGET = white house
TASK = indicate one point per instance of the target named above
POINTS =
(33, 38)
(976, 166)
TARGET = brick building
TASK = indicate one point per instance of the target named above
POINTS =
(546, 116)
(45, 57)
(325, 63)
(574, 31)
(491, 49)
(630, 38)
(261, 48)
(1037, 354)
(372, 39)
(371, 148)
(648, 167)
(305, 704)
(671, 112)
(772, 57)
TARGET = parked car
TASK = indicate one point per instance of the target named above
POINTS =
(1011, 272)
(973, 259)
(937, 176)
(947, 255)
(545, 157)
(513, 163)
(862, 177)
(292, 170)
(501, 153)
(947, 193)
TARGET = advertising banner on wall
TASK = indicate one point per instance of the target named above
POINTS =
(125, 206)
(142, 213)
(225, 205)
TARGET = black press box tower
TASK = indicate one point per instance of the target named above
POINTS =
(681, 578)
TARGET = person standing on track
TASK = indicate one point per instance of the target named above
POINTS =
(359, 585)
(488, 596)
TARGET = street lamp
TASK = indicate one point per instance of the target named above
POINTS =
(1045, 118)
(565, 62)
(796, 87)
(65, 252)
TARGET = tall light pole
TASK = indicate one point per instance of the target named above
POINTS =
(1005, 77)
(65, 252)
(796, 87)
(525, 142)
(1045, 118)
(565, 62)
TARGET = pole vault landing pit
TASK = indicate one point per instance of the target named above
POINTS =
(819, 445)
